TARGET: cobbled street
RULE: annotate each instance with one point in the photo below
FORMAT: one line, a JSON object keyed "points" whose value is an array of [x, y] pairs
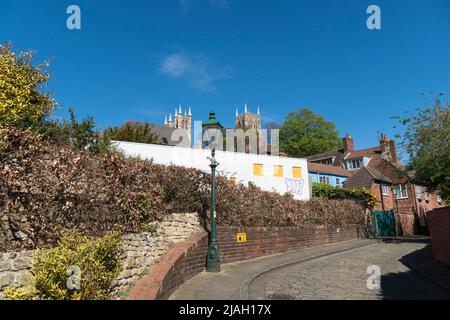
{"points": [[344, 276], [335, 272]]}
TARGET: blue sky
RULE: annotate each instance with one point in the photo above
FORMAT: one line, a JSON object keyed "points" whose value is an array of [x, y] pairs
{"points": [[139, 59]]}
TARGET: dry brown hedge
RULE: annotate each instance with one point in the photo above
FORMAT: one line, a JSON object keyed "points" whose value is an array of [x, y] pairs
{"points": [[45, 189]]}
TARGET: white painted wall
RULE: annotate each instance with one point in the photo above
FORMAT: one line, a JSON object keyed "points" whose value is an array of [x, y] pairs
{"points": [[239, 165]]}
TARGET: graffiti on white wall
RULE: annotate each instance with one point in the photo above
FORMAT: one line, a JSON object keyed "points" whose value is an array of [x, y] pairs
{"points": [[294, 186]]}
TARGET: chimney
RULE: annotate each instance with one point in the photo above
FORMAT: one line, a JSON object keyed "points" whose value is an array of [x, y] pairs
{"points": [[384, 143], [348, 143], [388, 149], [393, 148]]}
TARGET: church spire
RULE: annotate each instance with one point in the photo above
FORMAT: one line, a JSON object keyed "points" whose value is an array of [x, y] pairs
{"points": [[237, 112], [189, 112], [245, 109], [259, 113], [165, 120]]}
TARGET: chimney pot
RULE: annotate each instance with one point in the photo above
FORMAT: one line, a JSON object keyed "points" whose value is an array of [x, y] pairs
{"points": [[348, 144]]}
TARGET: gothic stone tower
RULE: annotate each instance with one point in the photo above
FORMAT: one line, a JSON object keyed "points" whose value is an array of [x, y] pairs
{"points": [[180, 121], [248, 120]]}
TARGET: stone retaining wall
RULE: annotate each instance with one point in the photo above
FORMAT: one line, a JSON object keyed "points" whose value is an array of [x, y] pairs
{"points": [[15, 269], [140, 252]]}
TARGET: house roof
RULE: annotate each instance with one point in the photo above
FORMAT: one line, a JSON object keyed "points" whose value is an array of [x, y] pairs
{"points": [[377, 175], [390, 170], [363, 153], [364, 178], [325, 155], [337, 154], [323, 168], [165, 135]]}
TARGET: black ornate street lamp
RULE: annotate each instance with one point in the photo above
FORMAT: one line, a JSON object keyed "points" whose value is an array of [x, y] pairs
{"points": [[213, 259]]}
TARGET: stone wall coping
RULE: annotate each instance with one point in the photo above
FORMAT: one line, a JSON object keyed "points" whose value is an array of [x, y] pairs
{"points": [[150, 285]]}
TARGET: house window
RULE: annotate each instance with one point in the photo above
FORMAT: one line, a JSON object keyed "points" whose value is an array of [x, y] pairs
{"points": [[327, 161], [438, 199], [296, 172], [338, 181], [418, 190], [258, 169], [384, 190], [401, 192], [278, 171], [355, 164], [325, 180]]}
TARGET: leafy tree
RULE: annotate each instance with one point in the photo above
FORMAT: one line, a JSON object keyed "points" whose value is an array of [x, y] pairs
{"points": [[426, 140], [305, 133], [23, 102], [80, 135], [133, 131]]}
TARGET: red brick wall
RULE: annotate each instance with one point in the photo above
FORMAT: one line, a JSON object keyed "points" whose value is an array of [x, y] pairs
{"points": [[271, 240], [387, 200], [439, 225]]}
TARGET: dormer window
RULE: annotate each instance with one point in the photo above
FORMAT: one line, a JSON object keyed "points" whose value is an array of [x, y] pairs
{"points": [[327, 161], [355, 164]]}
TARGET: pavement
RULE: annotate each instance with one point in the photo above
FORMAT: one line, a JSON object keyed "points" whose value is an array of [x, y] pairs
{"points": [[337, 271]]}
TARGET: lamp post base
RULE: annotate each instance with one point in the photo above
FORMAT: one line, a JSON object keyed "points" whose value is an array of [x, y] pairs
{"points": [[213, 260]]}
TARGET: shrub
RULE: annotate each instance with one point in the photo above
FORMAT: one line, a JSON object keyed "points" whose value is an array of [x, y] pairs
{"points": [[16, 293], [23, 102], [45, 188], [133, 131], [98, 262], [323, 190], [79, 135]]}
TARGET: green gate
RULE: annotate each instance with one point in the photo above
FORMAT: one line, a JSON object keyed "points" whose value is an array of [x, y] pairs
{"points": [[384, 222]]}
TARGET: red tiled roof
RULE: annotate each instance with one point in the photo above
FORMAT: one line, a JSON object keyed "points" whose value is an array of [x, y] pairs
{"points": [[364, 178], [323, 168], [363, 153]]}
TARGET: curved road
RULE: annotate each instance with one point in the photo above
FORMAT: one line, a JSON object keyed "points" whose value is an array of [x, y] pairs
{"points": [[332, 272]]}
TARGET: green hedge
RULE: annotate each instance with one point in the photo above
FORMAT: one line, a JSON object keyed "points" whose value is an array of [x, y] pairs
{"points": [[322, 190]]}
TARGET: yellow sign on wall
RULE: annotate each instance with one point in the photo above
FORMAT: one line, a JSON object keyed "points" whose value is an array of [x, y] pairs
{"points": [[241, 237]]}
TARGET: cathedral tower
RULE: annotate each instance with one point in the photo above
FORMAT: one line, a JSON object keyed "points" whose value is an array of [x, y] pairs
{"points": [[248, 120], [180, 120]]}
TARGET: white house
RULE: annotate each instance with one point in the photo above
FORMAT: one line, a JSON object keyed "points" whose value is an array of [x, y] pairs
{"points": [[270, 173]]}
